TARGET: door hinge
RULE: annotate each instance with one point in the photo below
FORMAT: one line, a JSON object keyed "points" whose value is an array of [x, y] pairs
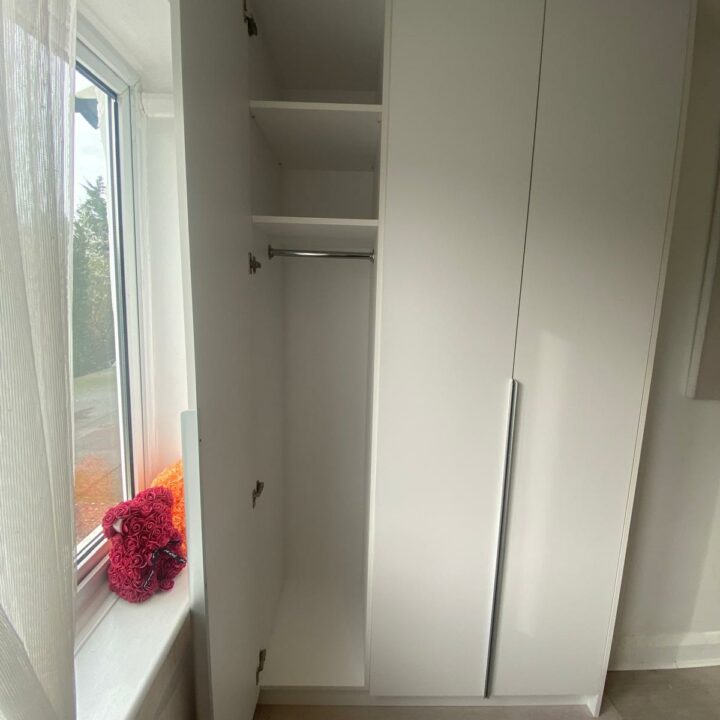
{"points": [[253, 263], [249, 20], [261, 665], [257, 491]]}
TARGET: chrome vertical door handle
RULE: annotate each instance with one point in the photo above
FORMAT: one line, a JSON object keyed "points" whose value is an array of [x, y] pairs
{"points": [[502, 532]]}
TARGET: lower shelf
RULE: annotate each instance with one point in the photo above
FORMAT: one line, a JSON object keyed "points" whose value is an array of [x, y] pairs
{"points": [[316, 233], [318, 640]]}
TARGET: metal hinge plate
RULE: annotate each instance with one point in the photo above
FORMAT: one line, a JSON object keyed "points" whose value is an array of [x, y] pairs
{"points": [[253, 264], [261, 665], [257, 491], [249, 20]]}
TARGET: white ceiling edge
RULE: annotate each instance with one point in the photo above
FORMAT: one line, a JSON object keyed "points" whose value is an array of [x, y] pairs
{"points": [[96, 41], [133, 34]]}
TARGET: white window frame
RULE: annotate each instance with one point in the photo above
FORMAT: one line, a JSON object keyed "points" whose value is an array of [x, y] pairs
{"points": [[101, 61]]}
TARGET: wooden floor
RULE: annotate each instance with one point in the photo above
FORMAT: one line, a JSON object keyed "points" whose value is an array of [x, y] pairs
{"points": [[692, 694]]}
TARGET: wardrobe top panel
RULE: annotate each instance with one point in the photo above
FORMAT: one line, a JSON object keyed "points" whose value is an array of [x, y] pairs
{"points": [[321, 45]]}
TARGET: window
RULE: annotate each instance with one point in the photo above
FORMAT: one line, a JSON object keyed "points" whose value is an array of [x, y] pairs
{"points": [[101, 331]]}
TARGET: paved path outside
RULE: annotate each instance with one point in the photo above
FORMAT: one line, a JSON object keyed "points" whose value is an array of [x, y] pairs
{"points": [[98, 480]]}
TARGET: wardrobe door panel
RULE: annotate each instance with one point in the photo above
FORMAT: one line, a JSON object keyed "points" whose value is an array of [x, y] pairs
{"points": [[608, 116], [230, 603], [462, 96]]}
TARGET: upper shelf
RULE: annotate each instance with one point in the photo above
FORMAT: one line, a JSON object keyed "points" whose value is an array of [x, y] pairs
{"points": [[320, 136]]}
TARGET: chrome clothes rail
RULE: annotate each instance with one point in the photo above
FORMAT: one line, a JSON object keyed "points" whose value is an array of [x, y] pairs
{"points": [[332, 254]]}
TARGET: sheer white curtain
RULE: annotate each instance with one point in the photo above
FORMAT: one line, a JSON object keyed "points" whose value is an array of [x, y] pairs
{"points": [[37, 48]]}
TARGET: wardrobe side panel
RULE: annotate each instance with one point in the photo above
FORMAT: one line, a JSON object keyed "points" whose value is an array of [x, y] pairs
{"points": [[463, 87], [608, 116]]}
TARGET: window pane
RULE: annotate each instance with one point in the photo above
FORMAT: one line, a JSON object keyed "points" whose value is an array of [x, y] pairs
{"points": [[98, 419]]}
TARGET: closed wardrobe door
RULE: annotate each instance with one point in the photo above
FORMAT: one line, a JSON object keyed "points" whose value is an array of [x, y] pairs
{"points": [[461, 102], [607, 125]]}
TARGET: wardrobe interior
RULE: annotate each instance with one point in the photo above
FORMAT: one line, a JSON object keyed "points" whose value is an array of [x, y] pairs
{"points": [[316, 71]]}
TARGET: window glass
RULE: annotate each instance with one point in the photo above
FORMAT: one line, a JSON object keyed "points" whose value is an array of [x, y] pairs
{"points": [[100, 415]]}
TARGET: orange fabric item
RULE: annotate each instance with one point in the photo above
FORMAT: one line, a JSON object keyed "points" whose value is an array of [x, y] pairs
{"points": [[172, 479]]}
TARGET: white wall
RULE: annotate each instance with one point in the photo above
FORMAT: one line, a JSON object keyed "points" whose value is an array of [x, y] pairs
{"points": [[165, 371], [163, 319], [670, 604]]}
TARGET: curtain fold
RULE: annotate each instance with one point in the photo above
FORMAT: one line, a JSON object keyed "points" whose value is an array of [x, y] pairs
{"points": [[37, 582]]}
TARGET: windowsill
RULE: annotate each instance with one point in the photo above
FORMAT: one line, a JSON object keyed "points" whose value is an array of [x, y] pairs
{"points": [[119, 661]]}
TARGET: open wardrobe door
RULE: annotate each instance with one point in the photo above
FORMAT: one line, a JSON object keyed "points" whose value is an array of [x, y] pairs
{"points": [[230, 604]]}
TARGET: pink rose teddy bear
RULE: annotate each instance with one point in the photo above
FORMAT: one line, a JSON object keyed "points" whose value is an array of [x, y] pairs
{"points": [[144, 551]]}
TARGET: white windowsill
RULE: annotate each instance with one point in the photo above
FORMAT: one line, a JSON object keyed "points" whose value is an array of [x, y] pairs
{"points": [[119, 661]]}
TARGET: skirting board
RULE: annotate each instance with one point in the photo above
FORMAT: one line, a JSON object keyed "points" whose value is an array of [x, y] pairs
{"points": [[361, 698], [663, 652]]}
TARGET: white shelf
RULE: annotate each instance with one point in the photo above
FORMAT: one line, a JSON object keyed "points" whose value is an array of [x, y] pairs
{"points": [[334, 233], [320, 136], [318, 640]]}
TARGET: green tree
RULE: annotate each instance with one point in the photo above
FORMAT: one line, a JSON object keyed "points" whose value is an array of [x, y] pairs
{"points": [[93, 332]]}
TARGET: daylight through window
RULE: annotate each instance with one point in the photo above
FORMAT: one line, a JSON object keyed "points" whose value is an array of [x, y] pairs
{"points": [[103, 467]]}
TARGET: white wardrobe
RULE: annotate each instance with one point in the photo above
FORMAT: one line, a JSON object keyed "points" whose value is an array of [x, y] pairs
{"points": [[425, 257]]}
